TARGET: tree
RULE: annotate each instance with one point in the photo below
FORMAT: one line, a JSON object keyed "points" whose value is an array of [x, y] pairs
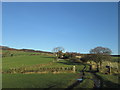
{"points": [[100, 54], [72, 57], [66, 55], [58, 51], [101, 50], [85, 58], [69, 55]]}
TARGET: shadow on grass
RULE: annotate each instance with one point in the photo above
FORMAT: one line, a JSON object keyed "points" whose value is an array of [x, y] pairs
{"points": [[73, 85], [106, 83], [26, 88], [48, 57], [70, 63], [50, 87], [109, 84]]}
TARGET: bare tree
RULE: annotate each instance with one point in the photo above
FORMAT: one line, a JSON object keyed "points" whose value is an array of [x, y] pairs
{"points": [[58, 51], [100, 54], [101, 50]]}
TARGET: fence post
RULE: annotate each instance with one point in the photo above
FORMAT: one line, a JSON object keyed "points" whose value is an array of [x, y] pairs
{"points": [[73, 68]]}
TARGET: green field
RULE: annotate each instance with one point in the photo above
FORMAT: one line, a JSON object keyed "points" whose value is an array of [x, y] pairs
{"points": [[109, 81], [47, 80], [38, 80], [115, 59], [30, 62], [22, 61]]}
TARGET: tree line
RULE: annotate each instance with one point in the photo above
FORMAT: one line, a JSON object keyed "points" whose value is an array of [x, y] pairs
{"points": [[97, 55]]}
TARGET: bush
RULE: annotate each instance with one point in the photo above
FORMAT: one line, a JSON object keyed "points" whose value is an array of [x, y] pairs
{"points": [[85, 58], [75, 60]]}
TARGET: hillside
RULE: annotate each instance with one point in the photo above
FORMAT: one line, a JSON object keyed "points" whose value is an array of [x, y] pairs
{"points": [[24, 50], [7, 51]]}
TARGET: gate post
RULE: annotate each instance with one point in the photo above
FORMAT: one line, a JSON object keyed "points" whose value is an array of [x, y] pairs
{"points": [[73, 68]]}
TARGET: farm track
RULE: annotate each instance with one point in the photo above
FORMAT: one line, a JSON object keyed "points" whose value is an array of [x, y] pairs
{"points": [[100, 80], [96, 79], [77, 82]]}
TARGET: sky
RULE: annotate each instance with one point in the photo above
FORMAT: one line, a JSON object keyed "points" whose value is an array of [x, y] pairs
{"points": [[76, 26]]}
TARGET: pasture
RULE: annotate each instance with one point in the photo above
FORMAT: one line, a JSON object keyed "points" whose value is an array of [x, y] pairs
{"points": [[47, 80], [22, 61], [109, 81], [26, 61], [38, 80]]}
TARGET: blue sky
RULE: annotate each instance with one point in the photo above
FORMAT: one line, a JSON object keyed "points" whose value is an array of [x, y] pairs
{"points": [[78, 27]]}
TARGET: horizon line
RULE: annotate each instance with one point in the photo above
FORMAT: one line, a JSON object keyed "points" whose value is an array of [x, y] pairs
{"points": [[46, 50]]}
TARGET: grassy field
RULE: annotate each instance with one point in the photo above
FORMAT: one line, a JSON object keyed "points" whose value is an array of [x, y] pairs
{"points": [[115, 59], [87, 83], [22, 61], [38, 80], [8, 53], [109, 81], [47, 80]]}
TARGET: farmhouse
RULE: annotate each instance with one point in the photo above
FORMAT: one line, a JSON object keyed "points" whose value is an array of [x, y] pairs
{"points": [[78, 56]]}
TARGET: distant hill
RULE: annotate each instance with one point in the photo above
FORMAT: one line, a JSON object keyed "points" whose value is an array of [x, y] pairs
{"points": [[25, 50], [38, 51]]}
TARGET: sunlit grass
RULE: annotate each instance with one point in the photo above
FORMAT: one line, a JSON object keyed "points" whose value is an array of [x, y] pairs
{"points": [[38, 80]]}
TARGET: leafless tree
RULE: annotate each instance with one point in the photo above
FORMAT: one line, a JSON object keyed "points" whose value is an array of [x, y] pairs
{"points": [[58, 51], [101, 50], [100, 54]]}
